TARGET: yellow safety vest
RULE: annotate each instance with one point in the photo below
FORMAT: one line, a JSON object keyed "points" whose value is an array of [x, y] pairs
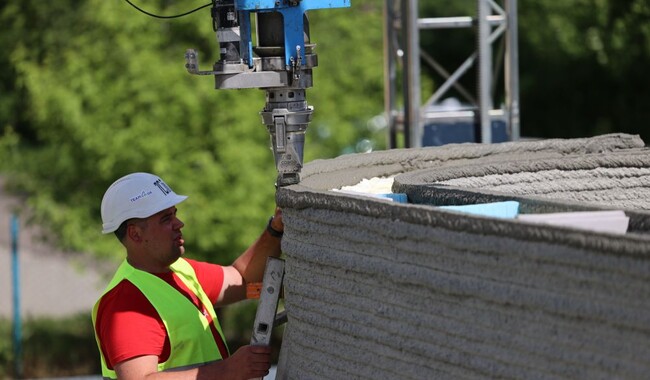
{"points": [[192, 343]]}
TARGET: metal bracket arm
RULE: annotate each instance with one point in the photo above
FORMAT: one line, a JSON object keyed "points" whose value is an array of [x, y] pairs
{"points": [[280, 134], [192, 63]]}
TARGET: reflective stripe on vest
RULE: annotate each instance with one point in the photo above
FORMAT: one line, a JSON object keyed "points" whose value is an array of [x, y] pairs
{"points": [[191, 340]]}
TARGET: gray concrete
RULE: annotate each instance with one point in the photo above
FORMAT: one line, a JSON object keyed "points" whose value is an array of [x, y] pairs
{"points": [[380, 290], [616, 179]]}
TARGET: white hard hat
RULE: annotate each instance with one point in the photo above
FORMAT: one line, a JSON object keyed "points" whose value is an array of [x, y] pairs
{"points": [[137, 195]]}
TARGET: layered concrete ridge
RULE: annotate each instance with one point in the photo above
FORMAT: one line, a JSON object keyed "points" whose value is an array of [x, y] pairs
{"points": [[382, 290], [618, 179]]}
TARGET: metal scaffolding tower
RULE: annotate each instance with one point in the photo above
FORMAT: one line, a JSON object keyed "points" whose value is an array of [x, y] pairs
{"points": [[402, 46]]}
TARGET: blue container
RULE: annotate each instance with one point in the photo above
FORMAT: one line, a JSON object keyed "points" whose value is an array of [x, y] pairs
{"points": [[460, 130]]}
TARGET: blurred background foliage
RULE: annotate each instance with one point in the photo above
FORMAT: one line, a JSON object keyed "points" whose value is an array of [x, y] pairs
{"points": [[51, 348], [583, 63], [93, 90]]}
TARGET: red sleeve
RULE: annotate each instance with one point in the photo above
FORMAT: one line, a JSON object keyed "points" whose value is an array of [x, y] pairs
{"points": [[128, 326], [210, 277]]}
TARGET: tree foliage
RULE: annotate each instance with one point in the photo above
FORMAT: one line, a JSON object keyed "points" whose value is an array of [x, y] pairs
{"points": [[92, 90], [107, 94], [582, 67], [581, 63]]}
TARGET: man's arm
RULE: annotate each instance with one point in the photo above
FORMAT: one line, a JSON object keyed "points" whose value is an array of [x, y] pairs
{"points": [[248, 362], [249, 267]]}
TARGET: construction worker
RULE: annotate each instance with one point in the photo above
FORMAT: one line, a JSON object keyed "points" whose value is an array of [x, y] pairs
{"points": [[156, 317]]}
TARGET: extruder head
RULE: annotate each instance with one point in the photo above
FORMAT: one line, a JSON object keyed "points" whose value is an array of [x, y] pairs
{"points": [[281, 64]]}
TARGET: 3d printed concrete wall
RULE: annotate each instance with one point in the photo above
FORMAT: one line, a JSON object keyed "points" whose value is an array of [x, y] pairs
{"points": [[382, 290]]}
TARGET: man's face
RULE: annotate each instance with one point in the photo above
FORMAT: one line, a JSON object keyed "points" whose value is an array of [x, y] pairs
{"points": [[162, 237]]}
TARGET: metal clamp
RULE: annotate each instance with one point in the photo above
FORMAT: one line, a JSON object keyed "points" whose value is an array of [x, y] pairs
{"points": [[192, 63], [296, 64], [280, 134]]}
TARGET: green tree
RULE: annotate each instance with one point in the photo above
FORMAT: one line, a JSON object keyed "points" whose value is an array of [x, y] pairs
{"points": [[348, 84], [93, 90], [582, 67], [581, 63], [107, 94]]}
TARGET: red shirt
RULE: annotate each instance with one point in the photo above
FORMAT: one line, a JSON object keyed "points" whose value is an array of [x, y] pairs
{"points": [[129, 326]]}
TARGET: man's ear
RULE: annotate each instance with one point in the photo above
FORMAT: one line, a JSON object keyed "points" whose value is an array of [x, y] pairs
{"points": [[134, 232]]}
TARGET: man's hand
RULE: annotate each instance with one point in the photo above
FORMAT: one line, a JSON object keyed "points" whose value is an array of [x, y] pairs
{"points": [[248, 362]]}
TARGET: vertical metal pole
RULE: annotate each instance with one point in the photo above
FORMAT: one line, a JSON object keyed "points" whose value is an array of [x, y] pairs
{"points": [[512, 70], [17, 326], [484, 71], [390, 72], [411, 42]]}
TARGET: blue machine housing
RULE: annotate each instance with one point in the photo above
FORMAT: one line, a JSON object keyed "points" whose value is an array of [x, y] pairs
{"points": [[293, 23]]}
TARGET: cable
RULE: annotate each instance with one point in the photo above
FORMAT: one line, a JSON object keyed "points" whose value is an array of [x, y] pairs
{"points": [[175, 16]]}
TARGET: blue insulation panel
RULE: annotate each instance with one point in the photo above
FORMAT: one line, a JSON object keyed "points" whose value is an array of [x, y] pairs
{"points": [[460, 131]]}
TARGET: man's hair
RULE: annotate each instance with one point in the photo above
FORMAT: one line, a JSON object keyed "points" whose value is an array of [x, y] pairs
{"points": [[120, 232]]}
